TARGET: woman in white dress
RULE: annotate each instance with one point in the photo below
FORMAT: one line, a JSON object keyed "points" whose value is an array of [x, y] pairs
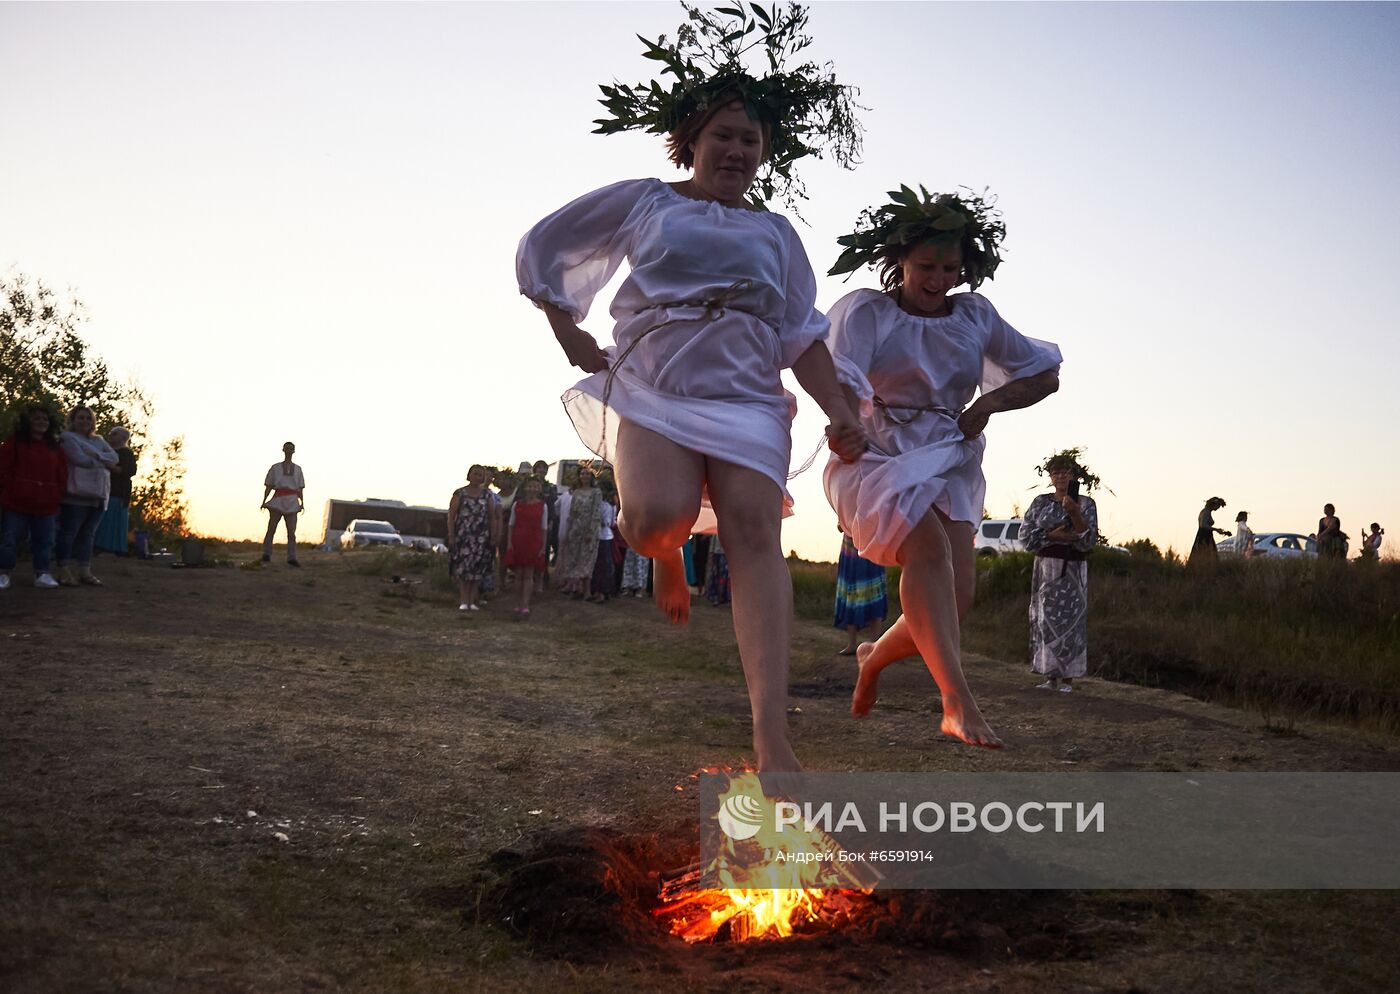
{"points": [[689, 404], [1244, 536], [913, 499]]}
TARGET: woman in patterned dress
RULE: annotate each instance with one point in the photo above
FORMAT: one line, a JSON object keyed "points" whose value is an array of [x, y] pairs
{"points": [[472, 529], [578, 548], [1060, 528], [862, 596]]}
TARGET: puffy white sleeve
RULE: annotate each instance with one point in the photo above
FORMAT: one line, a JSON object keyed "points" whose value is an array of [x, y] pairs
{"points": [[853, 344], [802, 323], [1009, 355], [570, 255]]}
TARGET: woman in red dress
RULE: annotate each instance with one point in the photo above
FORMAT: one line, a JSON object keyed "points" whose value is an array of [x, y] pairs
{"points": [[529, 528]]}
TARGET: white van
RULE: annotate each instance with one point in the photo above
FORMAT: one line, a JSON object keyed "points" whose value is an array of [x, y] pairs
{"points": [[995, 536]]}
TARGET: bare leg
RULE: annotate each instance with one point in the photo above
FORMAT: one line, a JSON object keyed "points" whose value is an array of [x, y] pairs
{"points": [[871, 657], [898, 642], [472, 590], [748, 506], [527, 586], [659, 486], [928, 591], [850, 649], [464, 597]]}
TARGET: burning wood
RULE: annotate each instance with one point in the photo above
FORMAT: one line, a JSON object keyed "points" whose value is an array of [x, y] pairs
{"points": [[771, 883]]}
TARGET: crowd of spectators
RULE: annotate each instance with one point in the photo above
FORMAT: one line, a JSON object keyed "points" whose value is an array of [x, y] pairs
{"points": [[519, 530], [63, 493]]}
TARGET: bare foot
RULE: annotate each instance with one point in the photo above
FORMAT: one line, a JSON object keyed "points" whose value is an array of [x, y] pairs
{"points": [[969, 726], [778, 768], [672, 595], [867, 683]]}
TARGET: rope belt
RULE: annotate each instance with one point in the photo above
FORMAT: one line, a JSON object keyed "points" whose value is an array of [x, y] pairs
{"points": [[885, 409], [714, 309]]}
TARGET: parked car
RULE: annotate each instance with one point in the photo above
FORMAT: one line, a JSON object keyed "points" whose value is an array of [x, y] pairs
{"points": [[364, 532], [993, 537], [1285, 545]]}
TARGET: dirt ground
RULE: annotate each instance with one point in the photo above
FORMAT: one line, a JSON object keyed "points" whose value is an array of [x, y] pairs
{"points": [[261, 779]]}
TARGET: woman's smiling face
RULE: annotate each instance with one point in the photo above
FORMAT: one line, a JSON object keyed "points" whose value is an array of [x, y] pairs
{"points": [[929, 272], [727, 154]]}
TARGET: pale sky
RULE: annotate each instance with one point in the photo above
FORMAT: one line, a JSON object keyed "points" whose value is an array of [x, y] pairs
{"points": [[299, 221]]}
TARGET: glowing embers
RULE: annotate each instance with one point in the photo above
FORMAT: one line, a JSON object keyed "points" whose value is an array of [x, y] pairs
{"points": [[767, 881]]}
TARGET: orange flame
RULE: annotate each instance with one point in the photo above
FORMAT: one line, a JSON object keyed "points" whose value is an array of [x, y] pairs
{"points": [[798, 881]]}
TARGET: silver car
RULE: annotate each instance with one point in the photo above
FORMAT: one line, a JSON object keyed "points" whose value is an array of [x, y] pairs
{"points": [[1283, 545], [363, 532]]}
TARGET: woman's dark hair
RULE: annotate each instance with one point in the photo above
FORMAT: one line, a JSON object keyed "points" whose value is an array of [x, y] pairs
{"points": [[1243, 515], [1328, 509], [23, 428], [892, 265], [678, 142]]}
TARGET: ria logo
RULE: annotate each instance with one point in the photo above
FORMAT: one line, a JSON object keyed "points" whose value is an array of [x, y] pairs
{"points": [[740, 817]]}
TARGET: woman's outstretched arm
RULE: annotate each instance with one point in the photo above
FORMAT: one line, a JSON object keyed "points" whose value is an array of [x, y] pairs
{"points": [[1012, 396]]}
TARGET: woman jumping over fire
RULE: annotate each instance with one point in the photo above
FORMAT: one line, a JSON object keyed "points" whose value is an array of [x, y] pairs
{"points": [[918, 356], [719, 299]]}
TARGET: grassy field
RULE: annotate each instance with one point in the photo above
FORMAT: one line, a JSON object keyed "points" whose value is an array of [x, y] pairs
{"points": [[1287, 639], [250, 778]]}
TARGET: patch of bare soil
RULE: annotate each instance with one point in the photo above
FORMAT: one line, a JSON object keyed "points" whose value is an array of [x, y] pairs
{"points": [[260, 779]]}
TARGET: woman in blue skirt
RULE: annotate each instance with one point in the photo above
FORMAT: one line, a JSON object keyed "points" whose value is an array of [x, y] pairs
{"points": [[861, 599]]}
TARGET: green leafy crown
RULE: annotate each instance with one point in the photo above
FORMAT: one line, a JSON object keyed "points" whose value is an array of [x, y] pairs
{"points": [[1072, 460], [806, 110], [968, 220]]}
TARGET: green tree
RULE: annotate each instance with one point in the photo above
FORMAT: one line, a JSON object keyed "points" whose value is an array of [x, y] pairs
{"points": [[43, 359]]}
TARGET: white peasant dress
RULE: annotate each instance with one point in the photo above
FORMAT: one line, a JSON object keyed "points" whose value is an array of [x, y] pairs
{"points": [[718, 301], [918, 458]]}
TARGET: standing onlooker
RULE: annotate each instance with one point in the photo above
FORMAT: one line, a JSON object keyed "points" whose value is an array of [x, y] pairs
{"points": [[111, 531], [862, 598], [85, 498], [549, 493], [578, 548], [636, 569], [33, 477], [1203, 551], [1060, 529], [1331, 543], [285, 484], [471, 537], [717, 574], [526, 539], [487, 584], [510, 486], [603, 567], [1244, 536], [1371, 542]]}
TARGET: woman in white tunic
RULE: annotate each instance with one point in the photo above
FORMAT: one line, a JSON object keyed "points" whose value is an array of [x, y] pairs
{"points": [[688, 403], [1059, 529], [913, 498]]}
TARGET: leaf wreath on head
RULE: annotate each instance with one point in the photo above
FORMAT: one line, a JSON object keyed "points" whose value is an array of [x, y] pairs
{"points": [[967, 220], [1073, 461], [806, 111]]}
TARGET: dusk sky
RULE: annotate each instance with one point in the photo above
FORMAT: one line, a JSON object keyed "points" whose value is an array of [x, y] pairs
{"points": [[299, 222]]}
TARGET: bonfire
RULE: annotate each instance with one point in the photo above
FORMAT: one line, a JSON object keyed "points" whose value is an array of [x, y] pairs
{"points": [[763, 883]]}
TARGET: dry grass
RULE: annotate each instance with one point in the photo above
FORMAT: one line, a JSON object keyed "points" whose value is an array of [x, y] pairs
{"points": [[160, 732], [1288, 639]]}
